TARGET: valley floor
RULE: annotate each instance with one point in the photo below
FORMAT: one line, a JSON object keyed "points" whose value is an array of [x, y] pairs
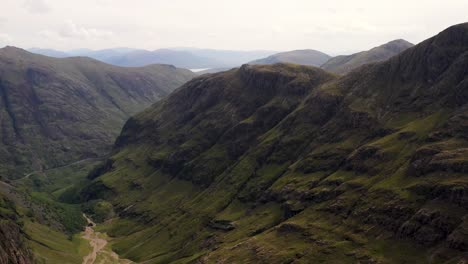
{"points": [[101, 253]]}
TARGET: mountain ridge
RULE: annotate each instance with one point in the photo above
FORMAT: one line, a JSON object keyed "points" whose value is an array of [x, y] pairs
{"points": [[47, 101], [191, 58], [303, 57], [345, 63]]}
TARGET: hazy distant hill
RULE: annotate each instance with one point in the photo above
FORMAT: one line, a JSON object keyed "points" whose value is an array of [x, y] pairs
{"points": [[190, 58], [303, 57], [50, 52], [213, 70], [231, 58], [182, 59], [54, 111], [345, 63]]}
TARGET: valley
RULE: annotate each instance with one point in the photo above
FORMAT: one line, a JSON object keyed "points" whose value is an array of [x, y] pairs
{"points": [[198, 156]]}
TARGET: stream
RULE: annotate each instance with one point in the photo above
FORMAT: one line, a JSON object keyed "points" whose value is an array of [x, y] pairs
{"points": [[100, 254]]}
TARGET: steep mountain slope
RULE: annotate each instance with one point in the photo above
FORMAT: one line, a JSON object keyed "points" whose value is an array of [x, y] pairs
{"points": [[302, 57], [346, 63], [55, 111], [290, 164]]}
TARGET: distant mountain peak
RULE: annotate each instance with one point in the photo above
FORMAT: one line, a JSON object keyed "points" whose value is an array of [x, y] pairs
{"points": [[346, 63], [303, 57]]}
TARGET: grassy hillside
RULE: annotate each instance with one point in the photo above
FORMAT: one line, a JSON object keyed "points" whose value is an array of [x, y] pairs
{"points": [[301, 57], [37, 229], [346, 63], [290, 164], [57, 111]]}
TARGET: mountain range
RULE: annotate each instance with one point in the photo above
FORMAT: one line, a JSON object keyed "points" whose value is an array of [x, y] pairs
{"points": [[358, 159], [189, 58], [292, 164], [222, 60]]}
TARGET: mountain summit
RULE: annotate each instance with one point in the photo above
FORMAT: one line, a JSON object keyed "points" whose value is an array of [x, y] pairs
{"points": [[346, 63], [303, 57]]}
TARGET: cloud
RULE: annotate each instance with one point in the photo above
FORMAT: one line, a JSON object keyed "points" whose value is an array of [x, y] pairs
{"points": [[37, 6], [48, 34], [104, 2], [72, 30], [5, 39]]}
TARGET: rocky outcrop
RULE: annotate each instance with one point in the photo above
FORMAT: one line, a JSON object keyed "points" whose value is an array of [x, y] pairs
{"points": [[13, 248]]}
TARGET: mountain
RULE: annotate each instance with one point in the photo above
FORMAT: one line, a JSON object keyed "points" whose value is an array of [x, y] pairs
{"points": [[191, 58], [213, 70], [302, 57], [127, 57], [291, 164], [103, 55], [56, 111], [49, 52], [346, 63], [181, 59], [231, 58]]}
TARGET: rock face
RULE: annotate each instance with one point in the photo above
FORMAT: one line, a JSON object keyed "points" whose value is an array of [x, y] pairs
{"points": [[290, 164], [55, 111], [301, 57], [346, 63], [13, 248]]}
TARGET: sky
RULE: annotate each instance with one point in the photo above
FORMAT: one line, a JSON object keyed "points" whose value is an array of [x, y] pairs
{"points": [[331, 26]]}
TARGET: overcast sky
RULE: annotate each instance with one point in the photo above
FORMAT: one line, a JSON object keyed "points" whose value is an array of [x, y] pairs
{"points": [[333, 26]]}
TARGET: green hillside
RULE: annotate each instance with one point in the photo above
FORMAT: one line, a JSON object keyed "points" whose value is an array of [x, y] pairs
{"points": [[57, 111]]}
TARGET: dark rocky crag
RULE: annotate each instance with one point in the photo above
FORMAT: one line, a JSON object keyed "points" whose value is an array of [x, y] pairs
{"points": [[291, 164], [13, 247]]}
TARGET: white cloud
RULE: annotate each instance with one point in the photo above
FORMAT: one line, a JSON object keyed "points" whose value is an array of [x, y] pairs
{"points": [[48, 34], [37, 6], [104, 2], [72, 30], [5, 39], [331, 26]]}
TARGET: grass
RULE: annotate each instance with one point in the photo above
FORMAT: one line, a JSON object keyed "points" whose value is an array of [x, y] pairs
{"points": [[69, 215], [51, 246]]}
